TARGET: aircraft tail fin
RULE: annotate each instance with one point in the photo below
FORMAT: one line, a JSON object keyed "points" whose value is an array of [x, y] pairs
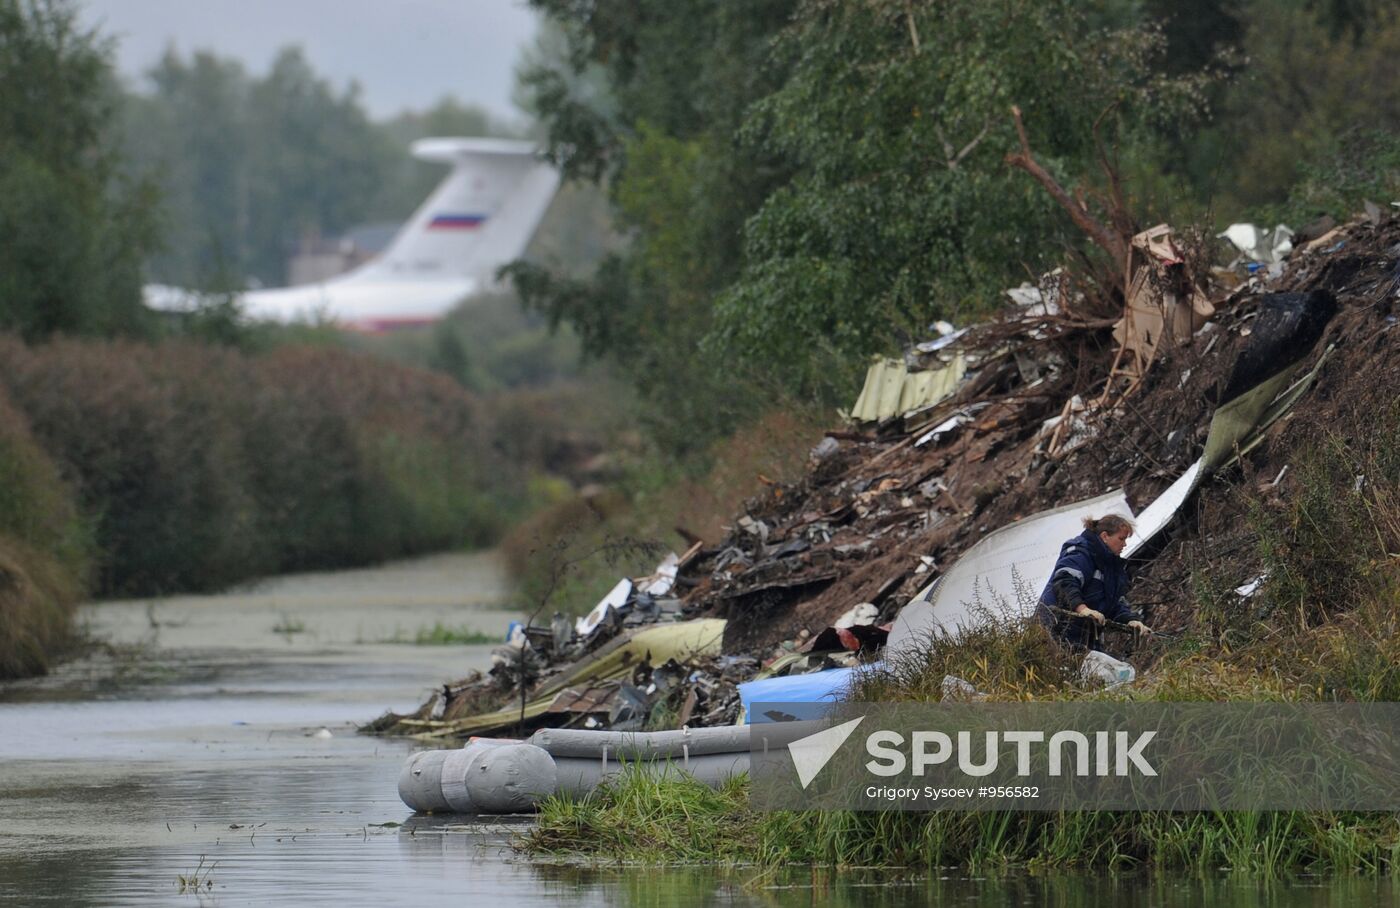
{"points": [[481, 216]]}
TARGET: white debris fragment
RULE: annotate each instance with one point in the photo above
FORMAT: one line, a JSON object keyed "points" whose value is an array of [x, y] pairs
{"points": [[664, 577], [1245, 590], [1103, 667], [860, 615], [825, 448], [616, 598], [955, 688], [1267, 247], [942, 428]]}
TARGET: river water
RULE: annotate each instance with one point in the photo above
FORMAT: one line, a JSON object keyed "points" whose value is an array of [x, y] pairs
{"points": [[206, 755]]}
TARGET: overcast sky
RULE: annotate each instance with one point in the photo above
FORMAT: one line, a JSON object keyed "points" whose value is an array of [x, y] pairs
{"points": [[404, 53]]}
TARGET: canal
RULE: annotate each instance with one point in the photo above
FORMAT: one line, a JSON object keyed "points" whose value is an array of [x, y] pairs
{"points": [[203, 753]]}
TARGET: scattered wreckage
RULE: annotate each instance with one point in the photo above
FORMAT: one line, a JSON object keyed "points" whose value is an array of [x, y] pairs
{"points": [[969, 462]]}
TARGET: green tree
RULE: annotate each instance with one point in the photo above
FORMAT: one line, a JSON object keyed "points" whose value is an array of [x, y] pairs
{"points": [[316, 161], [191, 136], [803, 184], [249, 166], [902, 209], [409, 180], [647, 97], [1315, 110], [75, 232]]}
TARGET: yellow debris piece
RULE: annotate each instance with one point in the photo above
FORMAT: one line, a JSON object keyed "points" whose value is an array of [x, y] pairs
{"points": [[891, 389]]}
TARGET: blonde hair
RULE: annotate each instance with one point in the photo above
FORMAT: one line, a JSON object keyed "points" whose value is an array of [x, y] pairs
{"points": [[1111, 524]]}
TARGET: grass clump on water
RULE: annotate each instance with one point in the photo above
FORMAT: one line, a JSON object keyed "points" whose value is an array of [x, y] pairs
{"points": [[639, 817], [445, 635]]}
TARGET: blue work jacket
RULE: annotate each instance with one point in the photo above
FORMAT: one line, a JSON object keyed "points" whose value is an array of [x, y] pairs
{"points": [[1086, 572]]}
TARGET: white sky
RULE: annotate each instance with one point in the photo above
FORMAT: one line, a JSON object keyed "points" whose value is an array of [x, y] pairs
{"points": [[404, 53]]}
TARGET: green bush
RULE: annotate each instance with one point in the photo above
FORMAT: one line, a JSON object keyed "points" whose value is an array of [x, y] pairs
{"points": [[201, 466], [43, 550]]}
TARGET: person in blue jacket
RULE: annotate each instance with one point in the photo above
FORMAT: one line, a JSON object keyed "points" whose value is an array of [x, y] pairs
{"points": [[1090, 580]]}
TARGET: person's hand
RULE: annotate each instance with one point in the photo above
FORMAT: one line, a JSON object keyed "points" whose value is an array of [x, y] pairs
{"points": [[1090, 613], [1140, 628]]}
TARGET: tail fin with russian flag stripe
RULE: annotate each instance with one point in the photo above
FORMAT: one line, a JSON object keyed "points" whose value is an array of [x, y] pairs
{"points": [[478, 219]]}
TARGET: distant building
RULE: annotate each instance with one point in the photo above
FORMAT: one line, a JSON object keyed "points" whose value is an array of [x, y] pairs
{"points": [[318, 258]]}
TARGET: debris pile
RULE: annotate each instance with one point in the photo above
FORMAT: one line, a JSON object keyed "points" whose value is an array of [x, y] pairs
{"points": [[1051, 404]]}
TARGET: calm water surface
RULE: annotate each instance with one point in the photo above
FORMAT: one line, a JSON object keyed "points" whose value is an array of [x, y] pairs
{"points": [[190, 750]]}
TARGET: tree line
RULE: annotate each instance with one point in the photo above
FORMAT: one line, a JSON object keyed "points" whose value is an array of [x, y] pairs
{"points": [[802, 183]]}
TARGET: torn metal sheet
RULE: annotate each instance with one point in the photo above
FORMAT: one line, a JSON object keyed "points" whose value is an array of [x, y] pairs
{"points": [[1249, 414], [1155, 517], [663, 578], [948, 339], [680, 641], [616, 598], [1239, 425], [1160, 242], [1006, 569], [1267, 247], [891, 389], [613, 660], [1149, 317], [1158, 305]]}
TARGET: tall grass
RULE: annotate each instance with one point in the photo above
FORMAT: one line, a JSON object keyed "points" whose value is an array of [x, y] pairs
{"points": [[642, 818]]}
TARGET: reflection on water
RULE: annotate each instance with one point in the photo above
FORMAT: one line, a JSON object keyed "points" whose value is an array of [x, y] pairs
{"points": [[470, 867], [201, 763]]}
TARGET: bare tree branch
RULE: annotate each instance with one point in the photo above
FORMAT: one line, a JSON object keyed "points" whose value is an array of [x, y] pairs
{"points": [[1106, 239], [1117, 206], [953, 160], [947, 147], [967, 149]]}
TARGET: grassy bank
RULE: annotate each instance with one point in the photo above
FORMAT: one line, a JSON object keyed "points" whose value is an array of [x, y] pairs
{"points": [[1324, 626], [644, 820]]}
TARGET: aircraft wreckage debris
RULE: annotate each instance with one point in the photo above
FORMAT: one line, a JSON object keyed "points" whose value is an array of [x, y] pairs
{"points": [[1071, 400]]}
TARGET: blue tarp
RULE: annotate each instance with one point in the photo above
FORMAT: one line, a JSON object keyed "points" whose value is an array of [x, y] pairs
{"points": [[809, 696]]}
